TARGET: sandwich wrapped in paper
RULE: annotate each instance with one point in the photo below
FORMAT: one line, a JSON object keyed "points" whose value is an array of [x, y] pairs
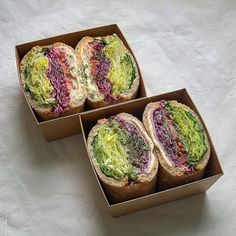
{"points": [[180, 141], [51, 81], [109, 69], [122, 154]]}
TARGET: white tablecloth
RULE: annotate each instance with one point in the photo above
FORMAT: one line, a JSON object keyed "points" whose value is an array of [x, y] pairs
{"points": [[49, 188]]}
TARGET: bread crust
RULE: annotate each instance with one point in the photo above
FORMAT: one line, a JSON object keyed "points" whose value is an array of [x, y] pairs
{"points": [[170, 176], [45, 112], [94, 104], [82, 49], [120, 190]]}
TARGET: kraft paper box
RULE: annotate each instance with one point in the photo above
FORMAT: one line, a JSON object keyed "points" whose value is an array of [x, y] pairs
{"points": [[136, 108], [69, 125]]}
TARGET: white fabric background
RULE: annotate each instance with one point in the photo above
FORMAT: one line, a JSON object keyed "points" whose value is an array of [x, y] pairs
{"points": [[48, 188]]}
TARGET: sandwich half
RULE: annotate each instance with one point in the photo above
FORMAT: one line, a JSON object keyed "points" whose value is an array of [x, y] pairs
{"points": [[51, 81], [109, 69], [122, 154], [180, 141]]}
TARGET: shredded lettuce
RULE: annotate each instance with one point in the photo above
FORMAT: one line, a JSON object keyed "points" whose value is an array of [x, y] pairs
{"points": [[110, 151], [122, 71], [190, 131], [120, 150], [36, 81]]}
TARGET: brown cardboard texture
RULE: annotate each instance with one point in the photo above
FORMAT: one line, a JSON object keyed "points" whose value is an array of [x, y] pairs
{"points": [[66, 126], [136, 108]]}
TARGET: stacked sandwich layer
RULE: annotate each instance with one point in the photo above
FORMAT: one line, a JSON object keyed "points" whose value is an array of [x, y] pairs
{"points": [[180, 141], [111, 67], [180, 135], [49, 76], [122, 154], [120, 149]]}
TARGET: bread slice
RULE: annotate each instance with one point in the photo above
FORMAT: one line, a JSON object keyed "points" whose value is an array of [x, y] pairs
{"points": [[95, 99], [169, 174], [77, 94], [121, 190]]}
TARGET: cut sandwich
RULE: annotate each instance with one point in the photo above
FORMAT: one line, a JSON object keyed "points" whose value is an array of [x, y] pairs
{"points": [[122, 154], [51, 81], [109, 69], [180, 141]]}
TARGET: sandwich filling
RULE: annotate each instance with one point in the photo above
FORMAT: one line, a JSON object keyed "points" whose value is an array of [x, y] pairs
{"points": [[120, 149], [180, 135], [111, 67], [48, 79]]}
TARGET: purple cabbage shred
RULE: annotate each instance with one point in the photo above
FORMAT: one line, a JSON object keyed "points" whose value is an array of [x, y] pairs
{"points": [[57, 79]]}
